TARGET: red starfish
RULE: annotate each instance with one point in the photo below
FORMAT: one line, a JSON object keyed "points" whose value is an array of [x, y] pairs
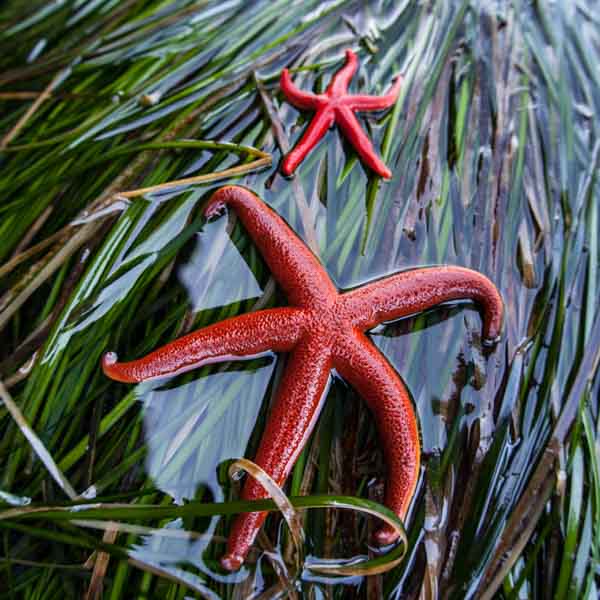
{"points": [[322, 330], [337, 106]]}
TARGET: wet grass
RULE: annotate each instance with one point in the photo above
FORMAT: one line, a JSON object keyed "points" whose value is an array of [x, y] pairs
{"points": [[494, 148]]}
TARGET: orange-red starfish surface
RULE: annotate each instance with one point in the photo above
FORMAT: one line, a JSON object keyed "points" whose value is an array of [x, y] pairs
{"points": [[336, 105], [321, 330]]}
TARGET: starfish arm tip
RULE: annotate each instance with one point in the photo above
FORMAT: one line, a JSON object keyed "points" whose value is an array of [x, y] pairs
{"points": [[111, 368], [386, 173], [493, 315], [287, 168], [491, 338], [385, 536], [109, 359], [366, 103], [214, 209], [232, 562], [216, 203], [284, 78], [295, 96]]}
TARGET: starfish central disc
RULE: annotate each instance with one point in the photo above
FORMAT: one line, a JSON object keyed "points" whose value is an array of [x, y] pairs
{"points": [[336, 105], [321, 330]]}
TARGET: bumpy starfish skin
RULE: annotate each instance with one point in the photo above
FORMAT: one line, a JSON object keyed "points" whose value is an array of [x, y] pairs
{"points": [[337, 106], [321, 330]]}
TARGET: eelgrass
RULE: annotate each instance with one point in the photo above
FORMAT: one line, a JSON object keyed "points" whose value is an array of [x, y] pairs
{"points": [[494, 148]]}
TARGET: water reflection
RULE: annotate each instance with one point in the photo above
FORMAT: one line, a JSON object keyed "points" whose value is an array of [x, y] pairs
{"points": [[191, 427], [178, 553], [216, 274]]}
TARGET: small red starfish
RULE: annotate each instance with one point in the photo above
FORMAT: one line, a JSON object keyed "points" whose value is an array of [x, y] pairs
{"points": [[322, 330], [337, 106]]}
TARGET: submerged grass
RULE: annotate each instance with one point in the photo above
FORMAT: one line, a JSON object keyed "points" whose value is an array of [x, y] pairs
{"points": [[494, 148]]}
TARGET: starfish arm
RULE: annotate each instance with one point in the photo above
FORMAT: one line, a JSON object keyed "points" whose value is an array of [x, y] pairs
{"points": [[417, 290], [293, 265], [362, 102], [295, 410], [363, 366], [295, 96], [355, 134], [314, 133], [248, 335], [341, 80]]}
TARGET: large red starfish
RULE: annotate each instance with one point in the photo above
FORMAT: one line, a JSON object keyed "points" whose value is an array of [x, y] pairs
{"points": [[337, 106], [322, 330]]}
